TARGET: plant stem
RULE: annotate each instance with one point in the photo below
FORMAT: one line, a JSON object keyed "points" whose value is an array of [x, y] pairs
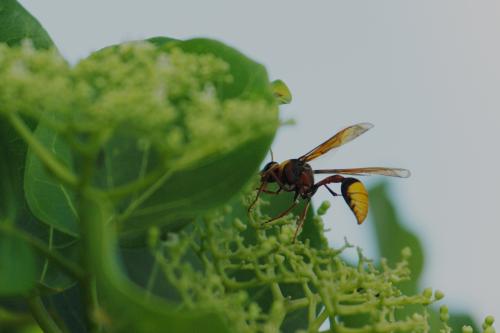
{"points": [[144, 196], [119, 192], [314, 326], [41, 315], [46, 263], [59, 170], [87, 233], [154, 272]]}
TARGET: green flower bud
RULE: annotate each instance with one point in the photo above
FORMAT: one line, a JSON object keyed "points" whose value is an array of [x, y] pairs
{"points": [[427, 293], [489, 320], [438, 295], [323, 208], [239, 225], [443, 313], [153, 237], [406, 253], [417, 317], [467, 329], [279, 258]]}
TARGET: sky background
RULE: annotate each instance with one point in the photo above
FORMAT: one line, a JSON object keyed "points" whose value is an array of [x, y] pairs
{"points": [[426, 73]]}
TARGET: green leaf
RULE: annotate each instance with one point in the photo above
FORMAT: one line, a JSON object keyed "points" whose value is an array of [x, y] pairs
{"points": [[18, 24], [250, 80], [11, 153], [312, 230], [281, 92], [49, 200], [49, 275], [184, 190], [193, 191], [17, 272], [459, 320], [161, 41], [126, 306], [216, 178], [17, 266], [17, 261], [50, 278], [393, 236]]}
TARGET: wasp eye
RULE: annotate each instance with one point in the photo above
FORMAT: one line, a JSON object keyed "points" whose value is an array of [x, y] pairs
{"points": [[268, 166]]}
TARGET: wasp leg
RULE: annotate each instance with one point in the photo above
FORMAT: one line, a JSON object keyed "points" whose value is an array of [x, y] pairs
{"points": [[260, 190], [329, 180], [301, 220], [272, 192], [331, 191], [354, 193], [295, 202]]}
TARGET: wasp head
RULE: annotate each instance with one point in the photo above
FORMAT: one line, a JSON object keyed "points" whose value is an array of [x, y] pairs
{"points": [[264, 173]]}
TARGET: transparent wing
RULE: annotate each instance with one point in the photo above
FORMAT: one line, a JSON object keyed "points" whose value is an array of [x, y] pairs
{"points": [[391, 172], [344, 136]]}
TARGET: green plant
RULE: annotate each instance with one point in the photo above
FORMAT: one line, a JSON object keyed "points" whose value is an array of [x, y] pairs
{"points": [[124, 190]]}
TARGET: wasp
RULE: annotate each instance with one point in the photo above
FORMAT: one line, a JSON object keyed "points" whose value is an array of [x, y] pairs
{"points": [[296, 175]]}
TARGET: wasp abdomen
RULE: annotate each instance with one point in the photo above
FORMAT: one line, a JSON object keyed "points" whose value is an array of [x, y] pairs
{"points": [[356, 197]]}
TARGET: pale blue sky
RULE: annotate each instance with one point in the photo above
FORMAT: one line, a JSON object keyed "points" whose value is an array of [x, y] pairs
{"points": [[426, 73]]}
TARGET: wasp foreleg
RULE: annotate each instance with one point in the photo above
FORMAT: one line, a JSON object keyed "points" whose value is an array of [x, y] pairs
{"points": [[301, 221], [295, 202]]}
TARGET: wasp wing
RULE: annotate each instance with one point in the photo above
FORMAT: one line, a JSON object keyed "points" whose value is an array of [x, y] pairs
{"points": [[391, 172], [344, 136]]}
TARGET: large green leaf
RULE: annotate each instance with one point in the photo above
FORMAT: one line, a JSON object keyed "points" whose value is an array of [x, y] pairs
{"points": [[459, 320], [250, 80], [18, 24], [49, 275], [173, 198], [53, 204], [49, 200], [392, 236], [126, 306], [140, 264], [310, 230], [17, 262], [193, 191], [17, 266], [217, 178], [11, 153]]}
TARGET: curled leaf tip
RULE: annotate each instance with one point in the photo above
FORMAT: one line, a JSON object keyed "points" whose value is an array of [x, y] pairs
{"points": [[281, 92]]}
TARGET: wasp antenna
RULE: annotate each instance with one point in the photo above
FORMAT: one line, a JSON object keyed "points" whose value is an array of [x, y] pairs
{"points": [[272, 155]]}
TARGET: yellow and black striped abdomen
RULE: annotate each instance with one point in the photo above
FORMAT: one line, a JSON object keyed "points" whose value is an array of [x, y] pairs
{"points": [[356, 197]]}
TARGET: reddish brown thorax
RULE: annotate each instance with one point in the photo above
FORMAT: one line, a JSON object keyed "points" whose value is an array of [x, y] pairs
{"points": [[292, 175]]}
